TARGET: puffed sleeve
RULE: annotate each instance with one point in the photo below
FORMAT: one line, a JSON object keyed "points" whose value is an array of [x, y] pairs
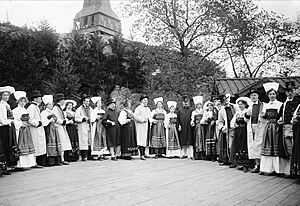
{"points": [[17, 117], [44, 117], [137, 115], [32, 114], [122, 117]]}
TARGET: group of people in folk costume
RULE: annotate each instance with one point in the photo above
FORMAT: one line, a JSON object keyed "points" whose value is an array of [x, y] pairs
{"points": [[247, 134]]}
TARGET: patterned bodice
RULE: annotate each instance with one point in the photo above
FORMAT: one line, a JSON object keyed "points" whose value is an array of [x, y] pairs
{"points": [[159, 117], [129, 115], [173, 120], [198, 118], [272, 115], [240, 121]]}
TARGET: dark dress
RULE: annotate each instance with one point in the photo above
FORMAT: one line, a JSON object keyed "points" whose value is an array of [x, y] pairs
{"points": [[210, 130], [184, 120], [72, 155], [270, 144], [295, 158], [173, 139], [239, 148], [53, 145], [113, 133], [128, 137], [158, 137], [199, 133], [100, 135]]}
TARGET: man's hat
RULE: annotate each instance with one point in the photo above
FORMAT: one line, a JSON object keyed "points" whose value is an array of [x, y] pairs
{"points": [[59, 96], [143, 97], [252, 91], [290, 85], [34, 94], [110, 101], [84, 96]]}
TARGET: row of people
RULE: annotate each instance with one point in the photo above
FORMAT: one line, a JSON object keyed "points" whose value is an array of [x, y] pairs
{"points": [[235, 133]]}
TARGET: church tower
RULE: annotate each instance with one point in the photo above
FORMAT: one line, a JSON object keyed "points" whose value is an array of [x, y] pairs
{"points": [[96, 16]]}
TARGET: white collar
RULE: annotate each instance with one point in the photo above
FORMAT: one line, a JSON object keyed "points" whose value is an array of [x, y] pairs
{"points": [[289, 100], [256, 102]]}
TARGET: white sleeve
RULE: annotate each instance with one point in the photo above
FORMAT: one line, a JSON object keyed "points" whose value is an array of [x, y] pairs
{"points": [[78, 117], [3, 115], [122, 117], [32, 121], [45, 120], [56, 112], [17, 118]]}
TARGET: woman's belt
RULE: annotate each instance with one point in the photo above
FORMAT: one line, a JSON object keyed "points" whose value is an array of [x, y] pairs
{"points": [[272, 120]]}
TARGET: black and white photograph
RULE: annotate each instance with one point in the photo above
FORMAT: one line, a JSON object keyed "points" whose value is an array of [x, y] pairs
{"points": [[149, 102]]}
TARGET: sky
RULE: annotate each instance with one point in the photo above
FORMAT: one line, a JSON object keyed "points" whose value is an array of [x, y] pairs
{"points": [[60, 13]]}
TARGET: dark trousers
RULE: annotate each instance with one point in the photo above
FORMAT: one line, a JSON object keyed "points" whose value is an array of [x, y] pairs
{"points": [[41, 160], [53, 160], [142, 150], [86, 153]]}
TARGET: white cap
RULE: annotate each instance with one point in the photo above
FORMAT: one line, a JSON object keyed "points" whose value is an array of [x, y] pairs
{"points": [[7, 89], [95, 99], [47, 99], [246, 99], [158, 99], [171, 104], [198, 99], [271, 85], [70, 100], [207, 103], [19, 94]]}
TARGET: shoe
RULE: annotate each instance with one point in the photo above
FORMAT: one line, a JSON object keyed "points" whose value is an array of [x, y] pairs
{"points": [[38, 167], [58, 164], [156, 156], [146, 156], [192, 158], [91, 158], [7, 172], [114, 159], [245, 169], [183, 157], [255, 170], [19, 169], [232, 166], [142, 158], [104, 158], [224, 164], [65, 163], [99, 159], [261, 173]]}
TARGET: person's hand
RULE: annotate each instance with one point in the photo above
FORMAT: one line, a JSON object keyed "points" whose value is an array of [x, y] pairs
{"points": [[224, 129], [127, 121], [154, 121], [280, 121], [249, 113], [145, 120], [235, 125], [179, 128], [192, 123], [212, 122], [113, 123]]}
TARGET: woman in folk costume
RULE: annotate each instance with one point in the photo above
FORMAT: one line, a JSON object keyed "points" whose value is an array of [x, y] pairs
{"points": [[257, 127], [158, 132], [209, 123], [84, 118], [186, 137], [172, 138], [286, 139], [129, 146], [142, 115], [6, 138], [113, 129], [52, 133], [36, 128], [226, 135], [295, 158], [24, 138], [99, 143], [60, 123], [270, 144], [71, 127], [199, 133], [242, 132]]}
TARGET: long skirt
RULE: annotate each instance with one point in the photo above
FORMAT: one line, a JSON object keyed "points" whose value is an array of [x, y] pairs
{"points": [[295, 158], [72, 155], [9, 144], [200, 141], [239, 147], [53, 144], [172, 139], [210, 142], [223, 143], [270, 149], [26, 147], [99, 140], [128, 140], [158, 139]]}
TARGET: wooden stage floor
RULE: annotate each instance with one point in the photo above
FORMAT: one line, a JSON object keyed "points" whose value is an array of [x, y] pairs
{"points": [[151, 182]]}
